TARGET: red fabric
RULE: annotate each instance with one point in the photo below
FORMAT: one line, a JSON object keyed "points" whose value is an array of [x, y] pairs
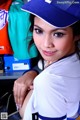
{"points": [[5, 46]]}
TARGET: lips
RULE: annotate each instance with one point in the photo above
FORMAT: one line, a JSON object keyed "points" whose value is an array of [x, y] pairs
{"points": [[48, 53]]}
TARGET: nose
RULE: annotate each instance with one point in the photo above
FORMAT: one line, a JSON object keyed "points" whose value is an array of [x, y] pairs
{"points": [[48, 41]]}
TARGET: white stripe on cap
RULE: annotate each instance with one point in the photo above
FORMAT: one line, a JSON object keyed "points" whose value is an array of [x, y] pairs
{"points": [[48, 1]]}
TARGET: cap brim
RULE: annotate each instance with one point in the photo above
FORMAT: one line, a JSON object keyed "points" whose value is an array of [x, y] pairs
{"points": [[51, 14]]}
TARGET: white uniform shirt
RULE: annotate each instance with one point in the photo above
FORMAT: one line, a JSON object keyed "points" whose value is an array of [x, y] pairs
{"points": [[56, 91]]}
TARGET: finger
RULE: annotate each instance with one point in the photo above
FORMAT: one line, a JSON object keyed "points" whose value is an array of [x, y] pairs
{"points": [[16, 90], [30, 87], [21, 93]]}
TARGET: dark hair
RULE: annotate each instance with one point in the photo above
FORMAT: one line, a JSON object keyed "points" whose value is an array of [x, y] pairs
{"points": [[75, 28], [76, 32], [32, 22], [31, 29]]}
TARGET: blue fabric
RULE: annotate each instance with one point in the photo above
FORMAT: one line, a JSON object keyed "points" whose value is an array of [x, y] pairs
{"points": [[48, 118], [71, 119], [69, 6], [58, 118], [51, 11]]}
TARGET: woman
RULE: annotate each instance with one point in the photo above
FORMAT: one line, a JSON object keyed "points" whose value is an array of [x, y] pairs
{"points": [[57, 88]]}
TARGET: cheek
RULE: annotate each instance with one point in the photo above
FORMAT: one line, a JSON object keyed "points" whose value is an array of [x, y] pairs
{"points": [[64, 45]]}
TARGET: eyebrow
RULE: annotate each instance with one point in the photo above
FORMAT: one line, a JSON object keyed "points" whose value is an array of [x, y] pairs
{"points": [[56, 29]]}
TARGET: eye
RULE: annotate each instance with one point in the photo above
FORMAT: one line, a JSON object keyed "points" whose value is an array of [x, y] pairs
{"points": [[37, 30], [59, 34]]}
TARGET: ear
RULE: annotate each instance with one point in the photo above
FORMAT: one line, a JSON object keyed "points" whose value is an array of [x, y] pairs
{"points": [[76, 38]]}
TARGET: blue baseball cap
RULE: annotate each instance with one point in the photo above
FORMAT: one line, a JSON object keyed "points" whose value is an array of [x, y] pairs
{"points": [[60, 13]]}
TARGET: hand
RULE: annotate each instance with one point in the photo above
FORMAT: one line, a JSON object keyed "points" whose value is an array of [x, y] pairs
{"points": [[22, 110], [22, 86]]}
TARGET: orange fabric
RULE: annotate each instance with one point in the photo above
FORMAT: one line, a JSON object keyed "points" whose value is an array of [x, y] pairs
{"points": [[78, 118], [5, 46]]}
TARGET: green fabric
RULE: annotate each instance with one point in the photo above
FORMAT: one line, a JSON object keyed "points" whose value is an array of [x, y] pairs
{"points": [[19, 34]]}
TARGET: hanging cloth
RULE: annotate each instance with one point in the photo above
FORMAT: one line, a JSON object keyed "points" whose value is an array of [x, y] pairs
{"points": [[19, 33]]}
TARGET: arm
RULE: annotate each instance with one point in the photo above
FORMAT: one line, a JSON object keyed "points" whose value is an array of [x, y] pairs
{"points": [[21, 86]]}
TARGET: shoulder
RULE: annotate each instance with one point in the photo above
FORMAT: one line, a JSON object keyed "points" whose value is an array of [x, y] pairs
{"points": [[69, 66]]}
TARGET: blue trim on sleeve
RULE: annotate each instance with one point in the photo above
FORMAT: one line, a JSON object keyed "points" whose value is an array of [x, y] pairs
{"points": [[57, 118], [71, 118], [48, 118]]}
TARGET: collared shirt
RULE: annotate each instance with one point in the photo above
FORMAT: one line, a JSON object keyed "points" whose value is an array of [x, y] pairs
{"points": [[56, 93]]}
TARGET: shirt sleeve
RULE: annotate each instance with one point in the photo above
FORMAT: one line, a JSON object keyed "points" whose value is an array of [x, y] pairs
{"points": [[50, 91]]}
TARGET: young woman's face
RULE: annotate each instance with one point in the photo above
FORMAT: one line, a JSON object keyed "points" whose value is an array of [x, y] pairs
{"points": [[53, 43]]}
